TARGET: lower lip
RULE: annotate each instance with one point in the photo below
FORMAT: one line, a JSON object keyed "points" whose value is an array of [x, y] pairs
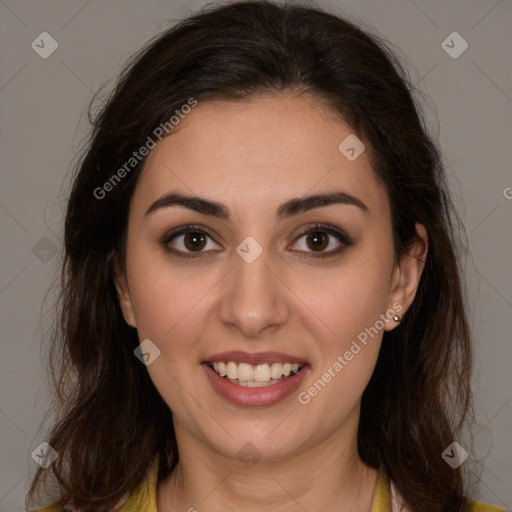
{"points": [[254, 397]]}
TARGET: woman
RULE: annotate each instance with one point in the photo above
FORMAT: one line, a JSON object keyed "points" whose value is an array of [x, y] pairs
{"points": [[262, 306]]}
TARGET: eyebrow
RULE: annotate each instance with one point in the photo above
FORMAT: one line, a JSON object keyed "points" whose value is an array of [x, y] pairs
{"points": [[290, 208]]}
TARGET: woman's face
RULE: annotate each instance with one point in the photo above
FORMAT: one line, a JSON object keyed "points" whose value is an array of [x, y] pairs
{"points": [[246, 288]]}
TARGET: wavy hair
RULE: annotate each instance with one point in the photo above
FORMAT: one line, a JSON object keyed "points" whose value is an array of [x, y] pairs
{"points": [[111, 422]]}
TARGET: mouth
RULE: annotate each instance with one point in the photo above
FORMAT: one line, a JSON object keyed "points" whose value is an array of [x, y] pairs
{"points": [[255, 376], [255, 380]]}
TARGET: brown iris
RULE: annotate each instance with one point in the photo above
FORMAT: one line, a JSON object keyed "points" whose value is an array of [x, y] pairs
{"points": [[319, 240], [194, 241]]}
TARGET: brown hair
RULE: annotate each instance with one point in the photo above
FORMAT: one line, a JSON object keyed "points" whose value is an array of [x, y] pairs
{"points": [[111, 421]]}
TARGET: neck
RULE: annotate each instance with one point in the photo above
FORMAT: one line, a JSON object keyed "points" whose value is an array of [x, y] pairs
{"points": [[329, 477]]}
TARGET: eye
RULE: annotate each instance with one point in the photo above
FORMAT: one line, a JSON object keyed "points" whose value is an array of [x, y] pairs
{"points": [[188, 240], [319, 238]]}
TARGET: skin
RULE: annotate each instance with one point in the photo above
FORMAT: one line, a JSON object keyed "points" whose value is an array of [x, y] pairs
{"points": [[252, 156]]}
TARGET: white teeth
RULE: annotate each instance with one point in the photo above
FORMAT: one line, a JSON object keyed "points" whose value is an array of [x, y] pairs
{"points": [[261, 373], [222, 369], [276, 370], [255, 376], [245, 372], [232, 370]]}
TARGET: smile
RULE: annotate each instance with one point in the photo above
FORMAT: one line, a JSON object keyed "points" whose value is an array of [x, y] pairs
{"points": [[252, 376], [255, 380]]}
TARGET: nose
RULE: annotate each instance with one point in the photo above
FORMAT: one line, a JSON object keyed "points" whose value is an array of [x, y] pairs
{"points": [[255, 301]]}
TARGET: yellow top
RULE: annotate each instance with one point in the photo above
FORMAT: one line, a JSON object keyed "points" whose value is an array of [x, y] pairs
{"points": [[143, 498]]}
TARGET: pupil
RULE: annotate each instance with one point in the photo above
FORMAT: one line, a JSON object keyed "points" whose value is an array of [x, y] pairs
{"points": [[319, 240], [194, 240]]}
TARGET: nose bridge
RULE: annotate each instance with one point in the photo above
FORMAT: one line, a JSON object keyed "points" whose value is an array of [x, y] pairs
{"points": [[255, 298]]}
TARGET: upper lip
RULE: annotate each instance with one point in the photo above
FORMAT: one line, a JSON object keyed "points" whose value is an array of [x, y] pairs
{"points": [[237, 356]]}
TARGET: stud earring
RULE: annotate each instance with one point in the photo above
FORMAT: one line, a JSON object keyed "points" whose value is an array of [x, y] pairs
{"points": [[397, 318]]}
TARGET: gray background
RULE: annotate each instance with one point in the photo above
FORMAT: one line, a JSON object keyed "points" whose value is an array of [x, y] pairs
{"points": [[42, 104]]}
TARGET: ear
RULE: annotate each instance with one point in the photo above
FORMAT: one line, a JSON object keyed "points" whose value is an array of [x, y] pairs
{"points": [[406, 276], [123, 293]]}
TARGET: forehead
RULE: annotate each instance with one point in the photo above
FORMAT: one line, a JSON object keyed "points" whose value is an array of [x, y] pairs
{"points": [[257, 152]]}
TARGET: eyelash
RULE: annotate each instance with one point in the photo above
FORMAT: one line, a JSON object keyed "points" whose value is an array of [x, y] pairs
{"points": [[322, 228]]}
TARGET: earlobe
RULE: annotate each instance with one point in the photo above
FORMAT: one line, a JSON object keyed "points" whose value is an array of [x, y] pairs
{"points": [[123, 293], [407, 275]]}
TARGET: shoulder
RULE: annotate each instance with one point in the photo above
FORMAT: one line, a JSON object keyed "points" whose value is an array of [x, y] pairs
{"points": [[54, 508], [141, 499], [474, 506], [387, 499]]}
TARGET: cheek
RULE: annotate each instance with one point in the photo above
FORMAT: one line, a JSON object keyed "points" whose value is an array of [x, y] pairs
{"points": [[352, 305], [170, 311], [162, 290], [347, 353], [349, 299], [167, 301]]}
